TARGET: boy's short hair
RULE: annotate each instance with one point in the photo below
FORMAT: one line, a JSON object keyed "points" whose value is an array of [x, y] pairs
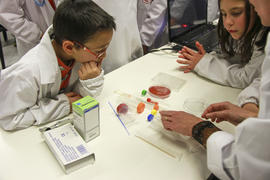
{"points": [[79, 20]]}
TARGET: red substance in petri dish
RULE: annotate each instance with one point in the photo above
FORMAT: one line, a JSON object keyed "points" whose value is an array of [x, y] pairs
{"points": [[122, 108], [159, 92]]}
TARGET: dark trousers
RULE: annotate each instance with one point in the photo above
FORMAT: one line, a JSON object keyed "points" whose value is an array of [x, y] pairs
{"points": [[212, 177]]}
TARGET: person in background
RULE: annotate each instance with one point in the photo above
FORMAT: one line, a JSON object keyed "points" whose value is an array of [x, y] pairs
{"points": [[212, 10], [27, 20], [245, 155], [126, 45], [242, 38], [153, 19], [62, 68], [152, 23]]}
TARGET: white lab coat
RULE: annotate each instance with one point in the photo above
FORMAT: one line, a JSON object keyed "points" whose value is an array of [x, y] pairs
{"points": [[245, 156], [212, 10], [126, 44], [26, 21], [30, 88], [152, 22], [230, 71], [251, 93]]}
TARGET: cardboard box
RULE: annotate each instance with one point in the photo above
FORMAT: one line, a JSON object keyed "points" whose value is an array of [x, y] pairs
{"points": [[86, 117]]}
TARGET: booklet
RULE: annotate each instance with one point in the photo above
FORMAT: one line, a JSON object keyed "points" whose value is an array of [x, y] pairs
{"points": [[68, 147]]}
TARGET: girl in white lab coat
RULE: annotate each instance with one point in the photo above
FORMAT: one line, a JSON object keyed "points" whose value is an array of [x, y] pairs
{"points": [[62, 68], [27, 20], [240, 32], [126, 44], [242, 39]]}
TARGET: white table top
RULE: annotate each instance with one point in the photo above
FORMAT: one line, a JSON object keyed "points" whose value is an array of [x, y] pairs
{"points": [[24, 154]]}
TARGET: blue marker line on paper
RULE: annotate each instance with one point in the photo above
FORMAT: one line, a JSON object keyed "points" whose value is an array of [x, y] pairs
{"points": [[118, 117]]}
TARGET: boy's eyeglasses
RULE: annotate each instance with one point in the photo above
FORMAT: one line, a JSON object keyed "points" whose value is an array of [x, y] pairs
{"points": [[97, 54]]}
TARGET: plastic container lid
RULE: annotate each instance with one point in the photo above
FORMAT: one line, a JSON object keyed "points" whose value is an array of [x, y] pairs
{"points": [[195, 106]]}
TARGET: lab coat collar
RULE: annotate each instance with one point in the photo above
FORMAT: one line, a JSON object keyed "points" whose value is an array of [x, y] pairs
{"points": [[49, 70]]}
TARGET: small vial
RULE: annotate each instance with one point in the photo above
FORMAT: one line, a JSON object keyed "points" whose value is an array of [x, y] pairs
{"points": [[150, 101], [150, 117], [144, 92], [154, 112], [140, 107], [156, 107]]}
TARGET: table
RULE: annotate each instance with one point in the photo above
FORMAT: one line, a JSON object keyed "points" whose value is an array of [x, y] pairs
{"points": [[24, 155]]}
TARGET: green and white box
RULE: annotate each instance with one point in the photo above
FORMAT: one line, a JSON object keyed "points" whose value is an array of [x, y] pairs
{"points": [[86, 117]]}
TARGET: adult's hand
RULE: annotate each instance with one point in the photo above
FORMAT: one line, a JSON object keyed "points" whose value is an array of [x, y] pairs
{"points": [[226, 111], [179, 121]]}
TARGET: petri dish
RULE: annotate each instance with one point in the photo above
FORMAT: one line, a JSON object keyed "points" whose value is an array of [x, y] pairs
{"points": [[195, 106], [159, 92]]}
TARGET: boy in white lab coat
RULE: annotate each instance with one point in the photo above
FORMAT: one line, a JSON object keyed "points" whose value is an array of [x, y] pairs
{"points": [[65, 66], [27, 20]]}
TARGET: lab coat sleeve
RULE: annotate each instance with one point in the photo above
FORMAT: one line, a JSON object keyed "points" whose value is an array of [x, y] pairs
{"points": [[244, 157], [153, 22], [265, 84], [250, 94], [20, 106], [90, 87], [12, 17], [221, 71], [215, 144]]}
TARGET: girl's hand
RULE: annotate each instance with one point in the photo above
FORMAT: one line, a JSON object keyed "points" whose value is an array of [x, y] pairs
{"points": [[191, 57]]}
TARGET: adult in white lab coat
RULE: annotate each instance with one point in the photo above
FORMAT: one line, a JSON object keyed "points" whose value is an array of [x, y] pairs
{"points": [[27, 20], [152, 23], [245, 155], [125, 45], [39, 69]]}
